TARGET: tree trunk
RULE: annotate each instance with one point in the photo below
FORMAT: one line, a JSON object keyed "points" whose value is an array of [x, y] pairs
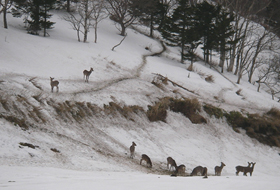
{"points": [[222, 59], [232, 59], [86, 22], [237, 65], [68, 6], [5, 17], [151, 27], [122, 29], [239, 76], [95, 32]]}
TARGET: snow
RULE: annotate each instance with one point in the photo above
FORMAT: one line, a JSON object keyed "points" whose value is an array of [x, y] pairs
{"points": [[94, 153]]}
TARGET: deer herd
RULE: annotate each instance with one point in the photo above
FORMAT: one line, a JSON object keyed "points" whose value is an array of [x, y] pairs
{"points": [[197, 171], [54, 83]]}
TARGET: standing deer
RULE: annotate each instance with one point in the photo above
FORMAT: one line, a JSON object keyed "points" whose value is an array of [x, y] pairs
{"points": [[199, 170], [87, 73], [147, 159], [54, 83], [171, 162], [241, 168], [249, 169], [132, 150], [218, 169]]}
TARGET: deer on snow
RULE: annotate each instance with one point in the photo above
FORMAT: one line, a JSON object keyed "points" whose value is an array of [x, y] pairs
{"points": [[218, 169], [132, 150], [147, 160], [54, 83], [242, 168], [249, 169], [87, 73], [199, 170], [171, 162]]}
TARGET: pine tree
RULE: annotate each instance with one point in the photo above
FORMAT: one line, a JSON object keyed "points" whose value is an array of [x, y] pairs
{"points": [[180, 30], [45, 22], [206, 14], [223, 31], [37, 14]]}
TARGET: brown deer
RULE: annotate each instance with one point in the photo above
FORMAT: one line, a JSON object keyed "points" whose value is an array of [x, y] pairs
{"points": [[171, 162], [54, 83], [199, 170], [132, 150], [249, 169], [241, 168], [218, 169], [87, 73], [147, 159], [180, 169]]}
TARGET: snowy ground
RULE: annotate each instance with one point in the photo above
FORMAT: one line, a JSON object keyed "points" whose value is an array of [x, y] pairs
{"points": [[94, 153], [52, 178]]}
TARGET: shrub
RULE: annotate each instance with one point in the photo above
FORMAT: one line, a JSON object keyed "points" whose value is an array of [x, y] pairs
{"points": [[158, 111], [189, 108], [209, 78], [213, 111], [236, 119], [274, 113]]}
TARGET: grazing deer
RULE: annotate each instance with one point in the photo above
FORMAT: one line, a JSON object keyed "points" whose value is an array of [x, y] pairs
{"points": [[171, 162], [147, 159], [87, 73], [180, 169], [54, 83], [218, 169], [249, 169], [241, 168], [199, 170], [132, 150]]}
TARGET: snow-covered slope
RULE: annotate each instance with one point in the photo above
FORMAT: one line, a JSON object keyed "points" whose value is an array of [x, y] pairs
{"points": [[124, 76]]}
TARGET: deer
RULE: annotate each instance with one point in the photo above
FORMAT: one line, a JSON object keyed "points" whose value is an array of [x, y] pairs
{"points": [[249, 169], [87, 73], [147, 159], [132, 150], [171, 162], [199, 170], [241, 168], [218, 169], [54, 83], [180, 169]]}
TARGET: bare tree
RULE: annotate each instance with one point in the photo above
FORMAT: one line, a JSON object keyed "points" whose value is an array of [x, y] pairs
{"points": [[269, 76], [245, 50], [81, 20], [75, 21], [120, 13], [265, 41], [245, 11], [98, 14], [4, 7]]}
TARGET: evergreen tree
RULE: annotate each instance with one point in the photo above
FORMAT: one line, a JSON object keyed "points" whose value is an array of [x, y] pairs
{"points": [[223, 32], [180, 30], [205, 15], [145, 11], [37, 14], [45, 22]]}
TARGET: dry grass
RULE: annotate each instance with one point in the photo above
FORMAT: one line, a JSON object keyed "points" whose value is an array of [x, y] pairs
{"points": [[209, 78], [4, 103], [158, 112], [188, 107]]}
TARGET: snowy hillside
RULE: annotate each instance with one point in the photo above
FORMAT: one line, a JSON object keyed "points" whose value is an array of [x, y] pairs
{"points": [[94, 151]]}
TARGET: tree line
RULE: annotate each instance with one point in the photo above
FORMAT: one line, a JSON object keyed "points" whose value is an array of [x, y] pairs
{"points": [[243, 33]]}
